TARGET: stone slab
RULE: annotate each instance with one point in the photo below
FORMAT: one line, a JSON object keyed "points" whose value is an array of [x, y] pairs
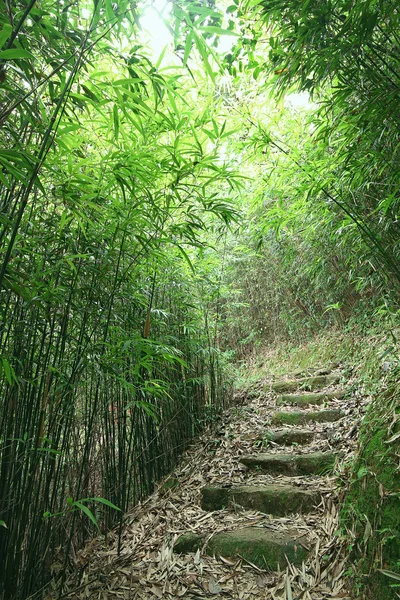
{"points": [[306, 399], [288, 437], [300, 418], [291, 464], [309, 383], [188, 542], [275, 499], [264, 548]]}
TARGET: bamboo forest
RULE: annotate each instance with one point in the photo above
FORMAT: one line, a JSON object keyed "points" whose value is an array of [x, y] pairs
{"points": [[200, 299]]}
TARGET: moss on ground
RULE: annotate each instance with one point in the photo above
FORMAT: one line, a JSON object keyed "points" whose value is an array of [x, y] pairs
{"points": [[372, 506]]}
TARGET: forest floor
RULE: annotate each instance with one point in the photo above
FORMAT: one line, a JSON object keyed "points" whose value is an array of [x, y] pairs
{"points": [[147, 567]]}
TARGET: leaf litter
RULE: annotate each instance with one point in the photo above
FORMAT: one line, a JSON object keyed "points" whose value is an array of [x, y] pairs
{"points": [[147, 567]]}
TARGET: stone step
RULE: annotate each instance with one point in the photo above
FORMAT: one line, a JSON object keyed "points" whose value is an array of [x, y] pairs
{"points": [[305, 399], [277, 500], [291, 464], [287, 437], [312, 372], [300, 418], [309, 383], [264, 548]]}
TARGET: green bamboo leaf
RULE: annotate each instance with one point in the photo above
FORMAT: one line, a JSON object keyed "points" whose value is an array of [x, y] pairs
{"points": [[188, 47], [5, 34], [204, 51], [219, 30], [390, 574], [148, 408], [252, 3], [49, 451], [17, 173], [226, 134], [104, 501], [209, 134], [8, 371], [87, 512], [116, 121], [109, 10], [15, 53], [215, 127], [11, 283], [161, 57], [175, 359]]}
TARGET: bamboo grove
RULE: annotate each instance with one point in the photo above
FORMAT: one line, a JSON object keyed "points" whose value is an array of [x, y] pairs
{"points": [[345, 54], [107, 185], [321, 238], [158, 215]]}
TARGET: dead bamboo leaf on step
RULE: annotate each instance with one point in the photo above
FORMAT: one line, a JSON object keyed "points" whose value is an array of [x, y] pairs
{"points": [[213, 587], [367, 530], [288, 588]]}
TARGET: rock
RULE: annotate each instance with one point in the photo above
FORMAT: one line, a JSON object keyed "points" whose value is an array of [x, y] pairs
{"points": [[275, 499], [299, 418], [188, 542], [258, 545], [287, 437], [323, 371], [309, 383], [305, 399], [215, 497], [291, 464]]}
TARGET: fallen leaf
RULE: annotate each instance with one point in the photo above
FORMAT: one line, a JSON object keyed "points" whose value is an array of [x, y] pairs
{"points": [[213, 587]]}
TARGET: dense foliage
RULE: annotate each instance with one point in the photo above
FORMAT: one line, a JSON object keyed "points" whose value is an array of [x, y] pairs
{"points": [[160, 214], [108, 184], [322, 233]]}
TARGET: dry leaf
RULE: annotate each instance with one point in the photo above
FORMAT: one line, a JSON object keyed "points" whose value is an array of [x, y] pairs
{"points": [[214, 587], [367, 531], [288, 589], [153, 526]]}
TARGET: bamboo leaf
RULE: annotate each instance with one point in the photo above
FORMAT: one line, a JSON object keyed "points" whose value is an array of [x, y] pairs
{"points": [[15, 53], [8, 371], [219, 30], [390, 574], [188, 47], [5, 34], [78, 504], [116, 121], [102, 501]]}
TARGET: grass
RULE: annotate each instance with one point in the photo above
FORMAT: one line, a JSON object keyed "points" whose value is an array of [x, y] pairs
{"points": [[353, 346]]}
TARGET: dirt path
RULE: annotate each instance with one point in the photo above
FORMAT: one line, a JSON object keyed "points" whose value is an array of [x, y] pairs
{"points": [[262, 549]]}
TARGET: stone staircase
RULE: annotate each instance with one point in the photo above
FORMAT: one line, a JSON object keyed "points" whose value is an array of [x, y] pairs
{"points": [[290, 435]]}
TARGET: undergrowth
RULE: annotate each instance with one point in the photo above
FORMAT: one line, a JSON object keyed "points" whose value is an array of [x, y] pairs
{"points": [[368, 350], [371, 509]]}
